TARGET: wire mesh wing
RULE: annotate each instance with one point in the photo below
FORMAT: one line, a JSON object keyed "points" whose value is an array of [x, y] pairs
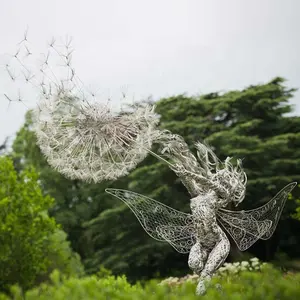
{"points": [[160, 221], [247, 226]]}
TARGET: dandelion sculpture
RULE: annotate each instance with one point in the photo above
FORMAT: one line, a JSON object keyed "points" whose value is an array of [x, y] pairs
{"points": [[87, 140], [80, 137]]}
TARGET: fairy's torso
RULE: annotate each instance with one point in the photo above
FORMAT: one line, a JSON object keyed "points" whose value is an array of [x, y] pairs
{"points": [[203, 208]]}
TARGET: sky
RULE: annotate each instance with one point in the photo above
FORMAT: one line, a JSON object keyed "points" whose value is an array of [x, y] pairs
{"points": [[158, 48]]}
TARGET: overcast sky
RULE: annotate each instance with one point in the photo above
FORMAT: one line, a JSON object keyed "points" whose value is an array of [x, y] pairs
{"points": [[160, 47]]}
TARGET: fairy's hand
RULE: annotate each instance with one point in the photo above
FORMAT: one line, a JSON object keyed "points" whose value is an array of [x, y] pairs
{"points": [[180, 170]]}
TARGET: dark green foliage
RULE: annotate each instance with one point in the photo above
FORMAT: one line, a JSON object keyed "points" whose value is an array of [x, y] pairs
{"points": [[251, 124], [31, 242]]}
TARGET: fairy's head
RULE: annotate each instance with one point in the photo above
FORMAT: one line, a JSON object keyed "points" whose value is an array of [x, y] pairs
{"points": [[228, 178], [233, 180]]}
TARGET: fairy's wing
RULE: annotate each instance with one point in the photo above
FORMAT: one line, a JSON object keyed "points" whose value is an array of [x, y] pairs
{"points": [[160, 221], [247, 226], [242, 227]]}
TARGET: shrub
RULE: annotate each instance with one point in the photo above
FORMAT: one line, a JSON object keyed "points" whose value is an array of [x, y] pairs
{"points": [[265, 285], [30, 240]]}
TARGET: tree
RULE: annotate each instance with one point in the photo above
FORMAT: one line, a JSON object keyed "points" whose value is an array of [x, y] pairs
{"points": [[28, 236], [251, 124]]}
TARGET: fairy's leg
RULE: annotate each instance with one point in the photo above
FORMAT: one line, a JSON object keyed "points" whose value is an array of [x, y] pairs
{"points": [[197, 258], [215, 259]]}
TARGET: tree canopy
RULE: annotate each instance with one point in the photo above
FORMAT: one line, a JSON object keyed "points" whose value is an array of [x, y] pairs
{"points": [[252, 124]]}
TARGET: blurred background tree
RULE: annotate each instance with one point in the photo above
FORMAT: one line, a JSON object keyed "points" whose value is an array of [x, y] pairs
{"points": [[254, 124]]}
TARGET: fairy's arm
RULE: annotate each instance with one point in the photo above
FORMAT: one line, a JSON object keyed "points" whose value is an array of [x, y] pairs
{"points": [[205, 182], [187, 168], [190, 185]]}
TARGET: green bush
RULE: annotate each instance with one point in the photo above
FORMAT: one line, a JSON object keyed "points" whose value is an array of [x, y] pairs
{"points": [[265, 285], [61, 257], [31, 244]]}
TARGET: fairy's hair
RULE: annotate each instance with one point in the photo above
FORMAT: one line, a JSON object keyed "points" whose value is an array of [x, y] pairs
{"points": [[225, 175]]}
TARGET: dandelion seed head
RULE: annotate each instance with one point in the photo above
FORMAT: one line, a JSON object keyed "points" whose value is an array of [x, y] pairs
{"points": [[90, 141], [81, 136]]}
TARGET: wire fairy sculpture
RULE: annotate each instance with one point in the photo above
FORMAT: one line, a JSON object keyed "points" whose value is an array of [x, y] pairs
{"points": [[212, 186], [84, 139]]}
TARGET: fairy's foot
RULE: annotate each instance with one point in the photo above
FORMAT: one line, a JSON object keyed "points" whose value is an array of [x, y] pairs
{"points": [[202, 286]]}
